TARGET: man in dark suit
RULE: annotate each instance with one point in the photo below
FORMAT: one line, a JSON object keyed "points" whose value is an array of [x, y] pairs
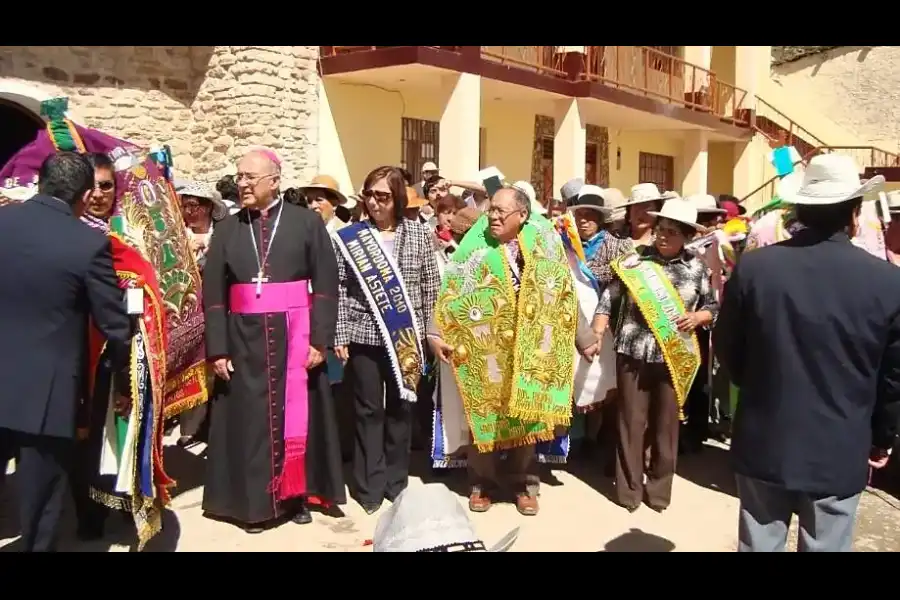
{"points": [[810, 331], [54, 274]]}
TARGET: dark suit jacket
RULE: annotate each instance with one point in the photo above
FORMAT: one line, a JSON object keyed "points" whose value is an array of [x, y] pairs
{"points": [[810, 331], [54, 272]]}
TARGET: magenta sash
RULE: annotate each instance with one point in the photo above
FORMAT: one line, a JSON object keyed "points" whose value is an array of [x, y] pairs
{"points": [[292, 299]]}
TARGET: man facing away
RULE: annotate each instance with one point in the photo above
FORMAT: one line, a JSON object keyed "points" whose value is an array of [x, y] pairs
{"points": [[273, 440], [810, 331], [56, 272]]}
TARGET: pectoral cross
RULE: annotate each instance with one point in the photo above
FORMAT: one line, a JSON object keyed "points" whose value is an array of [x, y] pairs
{"points": [[259, 280]]}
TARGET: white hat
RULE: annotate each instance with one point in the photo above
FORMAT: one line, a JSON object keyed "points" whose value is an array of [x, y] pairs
{"points": [[429, 166], [429, 518], [705, 203], [679, 209], [201, 190], [644, 192], [592, 197], [527, 189], [831, 179]]}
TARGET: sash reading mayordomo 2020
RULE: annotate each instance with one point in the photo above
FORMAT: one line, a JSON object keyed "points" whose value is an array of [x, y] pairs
{"points": [[389, 302], [660, 304]]}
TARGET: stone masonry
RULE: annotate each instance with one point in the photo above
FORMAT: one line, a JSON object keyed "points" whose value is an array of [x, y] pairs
{"points": [[209, 103]]}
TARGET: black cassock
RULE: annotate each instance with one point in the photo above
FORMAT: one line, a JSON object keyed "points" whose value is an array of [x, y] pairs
{"points": [[246, 438]]}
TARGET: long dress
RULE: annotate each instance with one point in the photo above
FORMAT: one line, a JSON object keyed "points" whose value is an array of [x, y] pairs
{"points": [[246, 440]]}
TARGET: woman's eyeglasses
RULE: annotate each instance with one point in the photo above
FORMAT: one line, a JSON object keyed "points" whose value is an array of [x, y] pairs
{"points": [[379, 197]]}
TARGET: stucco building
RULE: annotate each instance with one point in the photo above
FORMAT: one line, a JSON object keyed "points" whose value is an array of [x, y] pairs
{"points": [[209, 103], [690, 118]]}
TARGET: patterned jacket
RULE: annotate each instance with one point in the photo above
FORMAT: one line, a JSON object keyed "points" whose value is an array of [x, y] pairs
{"points": [[414, 255]]}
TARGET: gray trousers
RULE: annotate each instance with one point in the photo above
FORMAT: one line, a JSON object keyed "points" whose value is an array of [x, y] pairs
{"points": [[826, 522]]}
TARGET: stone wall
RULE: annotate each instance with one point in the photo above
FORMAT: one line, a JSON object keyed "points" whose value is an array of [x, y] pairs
{"points": [[209, 103], [857, 87]]}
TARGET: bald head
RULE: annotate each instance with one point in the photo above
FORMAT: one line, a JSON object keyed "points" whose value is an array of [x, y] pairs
{"points": [[258, 178]]}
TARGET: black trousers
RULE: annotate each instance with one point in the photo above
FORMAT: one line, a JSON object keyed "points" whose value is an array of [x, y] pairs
{"points": [[698, 406], [382, 428], [43, 464]]}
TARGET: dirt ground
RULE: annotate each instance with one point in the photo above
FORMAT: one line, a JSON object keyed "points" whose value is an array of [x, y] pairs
{"points": [[576, 515]]}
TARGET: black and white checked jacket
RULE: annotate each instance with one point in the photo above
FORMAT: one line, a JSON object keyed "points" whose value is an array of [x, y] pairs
{"points": [[414, 255]]}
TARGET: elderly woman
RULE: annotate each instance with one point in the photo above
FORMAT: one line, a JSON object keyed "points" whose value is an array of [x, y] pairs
{"points": [[201, 207], [645, 199], [661, 279], [382, 314]]}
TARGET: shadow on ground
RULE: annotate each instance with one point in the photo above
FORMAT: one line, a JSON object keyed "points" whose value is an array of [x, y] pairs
{"points": [[636, 540], [709, 468], [185, 467]]}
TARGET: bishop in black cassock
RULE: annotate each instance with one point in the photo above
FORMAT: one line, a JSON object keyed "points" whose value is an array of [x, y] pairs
{"points": [[246, 440]]}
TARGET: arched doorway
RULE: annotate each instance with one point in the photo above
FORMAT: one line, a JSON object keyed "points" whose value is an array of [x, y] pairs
{"points": [[19, 126]]}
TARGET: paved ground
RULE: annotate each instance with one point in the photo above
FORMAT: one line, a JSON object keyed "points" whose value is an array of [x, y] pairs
{"points": [[576, 515]]}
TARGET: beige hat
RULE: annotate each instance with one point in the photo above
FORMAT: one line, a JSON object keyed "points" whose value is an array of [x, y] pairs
{"points": [[328, 184], [644, 192], [705, 203], [429, 166], [832, 179], [528, 189], [615, 200], [893, 202], [681, 210]]}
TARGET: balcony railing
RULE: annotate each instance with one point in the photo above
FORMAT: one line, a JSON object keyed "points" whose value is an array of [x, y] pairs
{"points": [[781, 129], [544, 60], [647, 71], [641, 70], [327, 51]]}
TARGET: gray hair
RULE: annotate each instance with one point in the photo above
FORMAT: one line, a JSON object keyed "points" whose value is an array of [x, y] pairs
{"points": [[522, 200]]}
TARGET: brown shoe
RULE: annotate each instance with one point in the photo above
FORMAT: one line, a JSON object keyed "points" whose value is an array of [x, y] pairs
{"points": [[479, 502], [527, 505]]}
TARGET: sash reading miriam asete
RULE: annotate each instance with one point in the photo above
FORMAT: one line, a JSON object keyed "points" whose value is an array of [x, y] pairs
{"points": [[292, 299], [660, 305], [389, 303]]}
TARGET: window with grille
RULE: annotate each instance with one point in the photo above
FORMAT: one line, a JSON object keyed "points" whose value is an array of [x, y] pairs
{"points": [[661, 63], [419, 143], [658, 169]]}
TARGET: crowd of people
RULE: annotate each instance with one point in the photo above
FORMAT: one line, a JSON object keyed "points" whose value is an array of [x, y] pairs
{"points": [[466, 317]]}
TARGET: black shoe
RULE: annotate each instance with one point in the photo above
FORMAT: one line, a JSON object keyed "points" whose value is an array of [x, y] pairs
{"points": [[372, 508], [302, 516]]}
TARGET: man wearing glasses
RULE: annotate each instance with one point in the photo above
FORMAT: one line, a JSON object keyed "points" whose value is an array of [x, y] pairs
{"points": [[273, 440]]}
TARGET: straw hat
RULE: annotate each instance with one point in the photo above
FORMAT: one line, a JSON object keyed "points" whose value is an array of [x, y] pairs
{"points": [[831, 179], [705, 204], [429, 166], [413, 200], [201, 190], [429, 518], [330, 185], [20, 193], [644, 192], [681, 210], [616, 201], [590, 196]]}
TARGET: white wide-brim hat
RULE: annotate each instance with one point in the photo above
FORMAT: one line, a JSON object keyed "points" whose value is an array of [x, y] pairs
{"points": [[681, 210], [528, 189], [705, 203], [644, 192], [19, 193], [429, 518], [831, 179], [202, 190], [592, 197]]}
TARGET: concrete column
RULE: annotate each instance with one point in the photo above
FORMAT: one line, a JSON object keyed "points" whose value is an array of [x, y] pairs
{"points": [[569, 144], [696, 79], [747, 72], [461, 127], [750, 160], [695, 163]]}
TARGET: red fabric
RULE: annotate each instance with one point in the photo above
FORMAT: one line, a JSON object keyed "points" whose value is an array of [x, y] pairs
{"points": [[444, 234]]}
